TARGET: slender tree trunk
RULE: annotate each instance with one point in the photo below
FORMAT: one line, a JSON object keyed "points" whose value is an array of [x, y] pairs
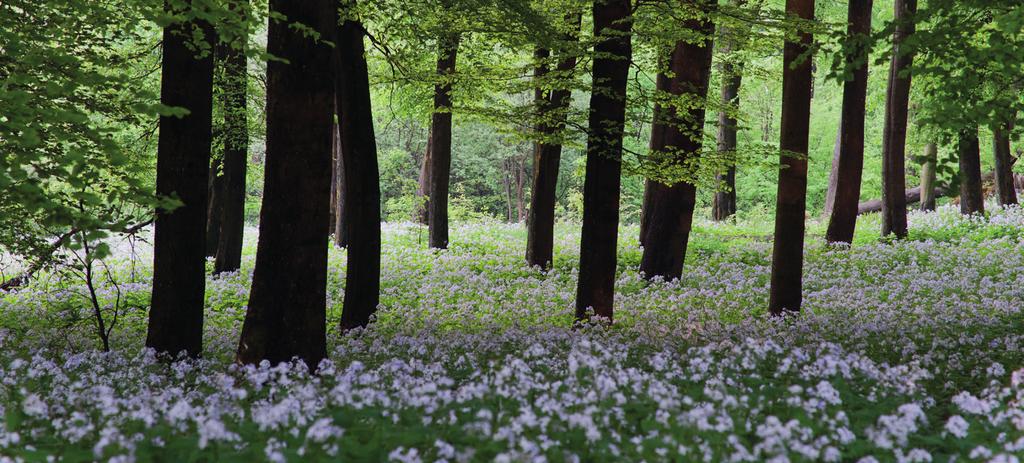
{"points": [[540, 233], [441, 144], [342, 233], [928, 177], [657, 143], [894, 134], [287, 303], [671, 210], [850, 164], [362, 179], [723, 205], [787, 254], [1003, 166], [236, 154], [332, 215], [972, 200], [833, 174], [599, 238], [422, 212], [214, 205], [182, 171]]}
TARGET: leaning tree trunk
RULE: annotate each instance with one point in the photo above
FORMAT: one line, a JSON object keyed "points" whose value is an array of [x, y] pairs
{"points": [[439, 172], [182, 171], [928, 177], [670, 213], [657, 143], [421, 212], [214, 205], [236, 153], [972, 201], [1005, 191], [894, 134], [833, 174], [362, 179], [287, 304], [540, 222], [613, 51], [341, 205], [850, 164], [787, 254]]}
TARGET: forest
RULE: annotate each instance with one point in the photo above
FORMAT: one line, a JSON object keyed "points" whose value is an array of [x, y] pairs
{"points": [[511, 230]]}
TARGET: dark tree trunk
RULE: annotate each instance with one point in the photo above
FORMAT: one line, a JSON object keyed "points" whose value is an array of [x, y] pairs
{"points": [[657, 143], [422, 212], [214, 205], [1003, 166], [341, 205], [972, 201], [894, 134], [670, 213], [787, 254], [833, 174], [182, 171], [599, 238], [441, 144], [928, 177], [723, 205], [850, 164], [362, 180], [236, 154], [332, 215], [287, 304], [546, 159]]}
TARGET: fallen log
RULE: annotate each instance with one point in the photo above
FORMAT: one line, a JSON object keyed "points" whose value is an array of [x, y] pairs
{"points": [[913, 196]]}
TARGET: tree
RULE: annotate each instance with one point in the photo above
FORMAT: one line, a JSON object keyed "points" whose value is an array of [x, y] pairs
{"points": [[236, 148], [850, 163], [1005, 191], [599, 238], [214, 189], [972, 200], [361, 187], [669, 215], [182, 172], [657, 142], [340, 209], [723, 204], [552, 107], [928, 177], [286, 317], [787, 254], [894, 134], [440, 165]]}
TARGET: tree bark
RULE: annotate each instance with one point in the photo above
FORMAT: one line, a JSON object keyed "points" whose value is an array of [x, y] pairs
{"points": [[723, 205], [972, 201], [913, 195], [787, 254], [287, 304], [182, 171], [441, 143], [214, 205], [361, 183], [670, 213], [894, 134], [236, 154], [613, 51], [540, 233], [1003, 166], [342, 233], [658, 115], [422, 214], [928, 177], [833, 173], [849, 166]]}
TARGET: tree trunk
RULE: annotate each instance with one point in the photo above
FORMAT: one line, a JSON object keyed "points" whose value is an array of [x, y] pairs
{"points": [[441, 144], [928, 177], [236, 154], [670, 213], [214, 205], [849, 166], [287, 303], [182, 171], [833, 173], [362, 179], [972, 201], [599, 238], [422, 213], [894, 134], [540, 222], [1003, 166], [787, 254], [657, 143], [332, 214], [341, 211], [723, 205]]}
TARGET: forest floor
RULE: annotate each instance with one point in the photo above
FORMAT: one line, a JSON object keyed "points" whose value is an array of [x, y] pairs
{"points": [[905, 351]]}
